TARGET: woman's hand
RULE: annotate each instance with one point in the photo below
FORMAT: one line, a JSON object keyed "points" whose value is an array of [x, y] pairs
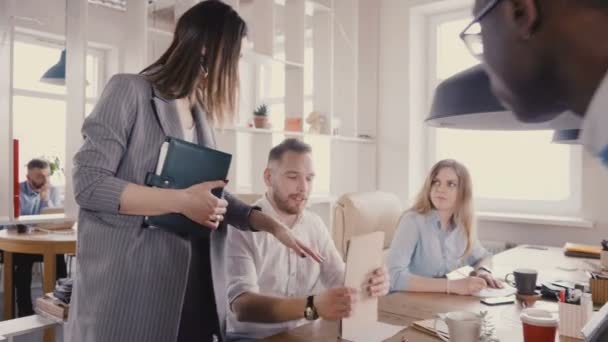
{"points": [[202, 206], [467, 286], [284, 235], [490, 280], [266, 223]]}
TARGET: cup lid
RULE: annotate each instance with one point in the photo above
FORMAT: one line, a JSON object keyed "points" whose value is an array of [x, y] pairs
{"points": [[538, 317]]}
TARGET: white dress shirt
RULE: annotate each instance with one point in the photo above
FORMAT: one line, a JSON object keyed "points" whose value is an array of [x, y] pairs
{"points": [[595, 124], [258, 263]]}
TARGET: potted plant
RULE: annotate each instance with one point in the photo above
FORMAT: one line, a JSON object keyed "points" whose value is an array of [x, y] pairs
{"points": [[260, 116], [55, 165], [487, 328]]}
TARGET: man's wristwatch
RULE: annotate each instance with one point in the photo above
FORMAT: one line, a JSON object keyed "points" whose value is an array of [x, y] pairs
{"points": [[310, 312]]}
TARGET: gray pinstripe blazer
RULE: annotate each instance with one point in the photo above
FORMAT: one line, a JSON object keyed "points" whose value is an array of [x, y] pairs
{"points": [[131, 281]]}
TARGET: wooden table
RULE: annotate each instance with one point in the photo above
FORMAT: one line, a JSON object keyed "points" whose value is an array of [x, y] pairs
{"points": [[35, 242], [406, 308]]}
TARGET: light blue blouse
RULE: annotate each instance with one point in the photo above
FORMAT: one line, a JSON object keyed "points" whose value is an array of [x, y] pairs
{"points": [[422, 248]]}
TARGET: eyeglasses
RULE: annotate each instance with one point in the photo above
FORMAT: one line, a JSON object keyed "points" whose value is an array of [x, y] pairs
{"points": [[471, 35]]}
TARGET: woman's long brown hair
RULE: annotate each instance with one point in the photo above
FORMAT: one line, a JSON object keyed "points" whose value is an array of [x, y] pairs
{"points": [[213, 78], [464, 213]]}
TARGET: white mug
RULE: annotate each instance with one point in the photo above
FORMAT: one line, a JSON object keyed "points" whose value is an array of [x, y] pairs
{"points": [[462, 326], [604, 259]]}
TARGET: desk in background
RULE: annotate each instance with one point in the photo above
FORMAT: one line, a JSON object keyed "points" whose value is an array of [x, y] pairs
{"points": [[36, 242], [406, 308]]}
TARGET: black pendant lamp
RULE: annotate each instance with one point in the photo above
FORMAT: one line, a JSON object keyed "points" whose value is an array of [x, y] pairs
{"points": [[466, 101]]}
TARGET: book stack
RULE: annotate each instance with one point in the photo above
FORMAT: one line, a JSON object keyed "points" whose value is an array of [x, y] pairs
{"points": [[57, 303], [50, 305], [582, 251]]}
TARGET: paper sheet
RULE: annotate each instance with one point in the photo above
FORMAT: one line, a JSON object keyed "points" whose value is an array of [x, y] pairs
{"points": [[377, 332], [492, 293], [460, 273], [364, 255], [597, 322]]}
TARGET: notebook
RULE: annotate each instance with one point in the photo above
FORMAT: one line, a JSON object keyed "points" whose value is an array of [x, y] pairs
{"points": [[427, 326], [182, 164]]}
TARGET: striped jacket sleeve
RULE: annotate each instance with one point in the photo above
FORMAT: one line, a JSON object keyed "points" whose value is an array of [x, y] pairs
{"points": [[238, 212], [106, 134]]}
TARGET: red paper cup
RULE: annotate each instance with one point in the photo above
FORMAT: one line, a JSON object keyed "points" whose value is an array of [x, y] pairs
{"points": [[539, 325]]}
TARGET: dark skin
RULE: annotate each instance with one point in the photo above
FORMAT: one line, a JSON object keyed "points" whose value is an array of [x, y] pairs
{"points": [[545, 57]]}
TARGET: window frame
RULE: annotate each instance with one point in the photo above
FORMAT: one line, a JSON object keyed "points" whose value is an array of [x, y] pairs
{"points": [[34, 39], [28, 36], [571, 206]]}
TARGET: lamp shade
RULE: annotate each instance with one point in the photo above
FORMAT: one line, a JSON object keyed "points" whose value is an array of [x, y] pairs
{"points": [[466, 101], [56, 73]]}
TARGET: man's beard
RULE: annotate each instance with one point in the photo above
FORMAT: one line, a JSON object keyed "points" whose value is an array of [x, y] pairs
{"points": [[282, 204], [37, 186]]}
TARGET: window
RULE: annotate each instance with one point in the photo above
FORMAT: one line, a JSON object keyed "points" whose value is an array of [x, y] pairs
{"points": [[39, 109], [519, 171]]}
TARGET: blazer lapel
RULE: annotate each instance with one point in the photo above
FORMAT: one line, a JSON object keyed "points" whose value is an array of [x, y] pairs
{"points": [[204, 131], [166, 112]]}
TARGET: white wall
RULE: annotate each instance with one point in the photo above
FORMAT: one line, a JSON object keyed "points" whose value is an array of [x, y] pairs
{"points": [[397, 147], [392, 123], [346, 55]]}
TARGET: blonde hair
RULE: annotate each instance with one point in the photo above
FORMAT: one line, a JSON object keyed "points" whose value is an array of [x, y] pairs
{"points": [[464, 212]]}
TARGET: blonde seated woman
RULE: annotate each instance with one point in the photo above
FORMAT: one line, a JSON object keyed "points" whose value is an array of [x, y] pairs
{"points": [[437, 236]]}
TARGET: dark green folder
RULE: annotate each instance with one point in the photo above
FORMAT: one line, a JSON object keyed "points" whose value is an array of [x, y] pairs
{"points": [[186, 164]]}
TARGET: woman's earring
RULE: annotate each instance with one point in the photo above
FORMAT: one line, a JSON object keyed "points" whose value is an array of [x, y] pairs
{"points": [[203, 67]]}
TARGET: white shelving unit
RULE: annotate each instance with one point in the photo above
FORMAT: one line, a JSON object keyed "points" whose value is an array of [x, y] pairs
{"points": [[294, 46], [160, 26]]}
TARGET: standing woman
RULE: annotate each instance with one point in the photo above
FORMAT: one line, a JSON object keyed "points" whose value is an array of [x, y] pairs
{"points": [[143, 284]]}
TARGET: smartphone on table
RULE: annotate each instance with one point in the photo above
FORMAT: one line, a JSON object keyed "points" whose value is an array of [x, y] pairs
{"points": [[498, 300]]}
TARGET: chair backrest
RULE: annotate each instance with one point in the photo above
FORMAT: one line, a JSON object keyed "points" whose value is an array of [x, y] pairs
{"points": [[362, 213]]}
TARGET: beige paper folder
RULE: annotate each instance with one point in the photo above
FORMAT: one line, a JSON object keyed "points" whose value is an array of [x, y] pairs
{"points": [[364, 255]]}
